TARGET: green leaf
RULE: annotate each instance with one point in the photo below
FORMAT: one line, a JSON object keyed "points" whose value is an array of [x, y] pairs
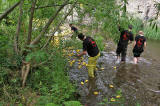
{"points": [[154, 25]]}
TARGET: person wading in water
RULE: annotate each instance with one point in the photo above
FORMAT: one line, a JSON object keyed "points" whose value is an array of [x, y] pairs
{"points": [[125, 37], [139, 46], [90, 47]]}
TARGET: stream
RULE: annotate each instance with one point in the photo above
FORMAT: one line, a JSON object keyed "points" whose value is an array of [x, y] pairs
{"points": [[121, 84]]}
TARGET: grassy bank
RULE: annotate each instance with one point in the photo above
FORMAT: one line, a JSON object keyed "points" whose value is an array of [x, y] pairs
{"points": [[148, 29], [47, 84]]}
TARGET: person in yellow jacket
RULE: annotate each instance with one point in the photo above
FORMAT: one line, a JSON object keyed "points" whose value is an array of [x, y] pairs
{"points": [[90, 47]]}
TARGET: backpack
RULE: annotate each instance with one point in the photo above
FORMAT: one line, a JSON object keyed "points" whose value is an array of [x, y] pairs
{"points": [[125, 36], [140, 43], [92, 43]]}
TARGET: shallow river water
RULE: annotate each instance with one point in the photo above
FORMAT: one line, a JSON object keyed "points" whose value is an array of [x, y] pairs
{"points": [[121, 84]]}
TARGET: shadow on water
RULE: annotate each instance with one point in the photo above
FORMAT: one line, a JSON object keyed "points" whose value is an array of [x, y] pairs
{"points": [[92, 88]]}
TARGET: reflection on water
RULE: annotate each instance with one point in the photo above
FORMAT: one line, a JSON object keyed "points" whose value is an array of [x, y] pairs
{"points": [[153, 51], [127, 73], [135, 82], [92, 88]]}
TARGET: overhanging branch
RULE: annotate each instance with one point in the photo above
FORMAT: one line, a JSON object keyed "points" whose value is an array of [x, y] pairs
{"points": [[9, 10], [50, 38], [37, 39]]}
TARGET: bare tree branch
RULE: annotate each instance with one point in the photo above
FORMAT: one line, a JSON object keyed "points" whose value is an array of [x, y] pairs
{"points": [[16, 38], [9, 10], [30, 22], [50, 38], [37, 39], [48, 6], [52, 5]]}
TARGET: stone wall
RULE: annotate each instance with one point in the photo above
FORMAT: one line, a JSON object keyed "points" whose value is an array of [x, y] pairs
{"points": [[142, 8]]}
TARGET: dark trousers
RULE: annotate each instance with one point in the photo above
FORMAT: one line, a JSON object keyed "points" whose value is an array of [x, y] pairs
{"points": [[137, 51], [122, 50]]}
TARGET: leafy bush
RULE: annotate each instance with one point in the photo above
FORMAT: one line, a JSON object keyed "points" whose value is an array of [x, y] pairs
{"points": [[51, 104], [137, 25], [148, 30], [152, 33], [72, 103], [76, 43], [51, 80], [37, 56], [3, 48], [99, 42], [44, 101]]}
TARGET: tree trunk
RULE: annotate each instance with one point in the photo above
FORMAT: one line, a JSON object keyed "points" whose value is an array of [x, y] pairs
{"points": [[37, 39], [50, 38], [9, 10], [25, 72], [16, 38], [30, 22]]}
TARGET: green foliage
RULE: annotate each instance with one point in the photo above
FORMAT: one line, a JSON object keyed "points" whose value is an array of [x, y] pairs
{"points": [[41, 13], [137, 25], [51, 104], [72, 103], [37, 56], [152, 34], [69, 43], [99, 42], [3, 47], [51, 80], [9, 80], [7, 57], [1, 103], [43, 101], [148, 29], [138, 104], [154, 23], [103, 15]]}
